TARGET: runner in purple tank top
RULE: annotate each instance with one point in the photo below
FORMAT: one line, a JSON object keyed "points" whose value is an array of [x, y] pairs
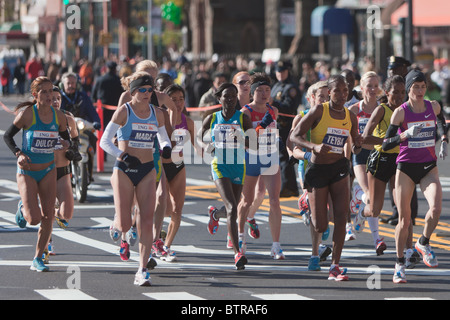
{"points": [[413, 127], [174, 168]]}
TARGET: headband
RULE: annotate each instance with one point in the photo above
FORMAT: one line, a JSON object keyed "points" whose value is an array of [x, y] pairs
{"points": [[140, 82], [256, 85]]}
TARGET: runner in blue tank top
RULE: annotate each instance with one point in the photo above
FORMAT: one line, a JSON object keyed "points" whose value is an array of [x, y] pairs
{"points": [[137, 124], [227, 128], [36, 173]]}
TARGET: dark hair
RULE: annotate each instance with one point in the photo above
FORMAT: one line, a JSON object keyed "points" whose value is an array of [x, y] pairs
{"points": [[335, 78], [391, 81], [34, 88], [224, 86], [388, 84], [260, 77], [174, 88]]}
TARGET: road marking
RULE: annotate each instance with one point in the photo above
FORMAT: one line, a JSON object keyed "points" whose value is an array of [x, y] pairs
{"points": [[172, 296], [64, 294]]}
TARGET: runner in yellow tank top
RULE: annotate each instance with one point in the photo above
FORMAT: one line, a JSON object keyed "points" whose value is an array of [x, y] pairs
{"points": [[328, 171]]}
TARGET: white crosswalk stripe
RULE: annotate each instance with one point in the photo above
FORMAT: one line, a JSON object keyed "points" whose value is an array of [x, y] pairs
{"points": [[64, 294]]}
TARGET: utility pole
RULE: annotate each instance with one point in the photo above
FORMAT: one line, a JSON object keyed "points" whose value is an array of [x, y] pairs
{"points": [[409, 34], [149, 30]]}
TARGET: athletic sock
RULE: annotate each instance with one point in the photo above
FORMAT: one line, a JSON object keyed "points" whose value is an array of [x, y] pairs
{"points": [[424, 240], [373, 224]]}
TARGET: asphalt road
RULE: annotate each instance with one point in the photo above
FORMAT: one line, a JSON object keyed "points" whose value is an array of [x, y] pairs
{"points": [[87, 263]]}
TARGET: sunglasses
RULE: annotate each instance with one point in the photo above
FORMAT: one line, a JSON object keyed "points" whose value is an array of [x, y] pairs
{"points": [[143, 90], [244, 82]]}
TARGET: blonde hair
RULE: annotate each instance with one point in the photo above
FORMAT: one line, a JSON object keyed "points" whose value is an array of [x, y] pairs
{"points": [[315, 87], [147, 64], [367, 76], [125, 81]]}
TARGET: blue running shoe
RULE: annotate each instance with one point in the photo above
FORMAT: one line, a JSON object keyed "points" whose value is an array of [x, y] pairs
{"points": [[313, 264], [39, 266], [20, 220]]}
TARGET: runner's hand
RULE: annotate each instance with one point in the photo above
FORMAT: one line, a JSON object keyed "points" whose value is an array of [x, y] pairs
{"points": [[413, 131]]}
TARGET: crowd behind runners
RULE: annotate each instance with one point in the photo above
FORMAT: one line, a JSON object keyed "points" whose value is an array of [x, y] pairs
{"points": [[351, 137]]}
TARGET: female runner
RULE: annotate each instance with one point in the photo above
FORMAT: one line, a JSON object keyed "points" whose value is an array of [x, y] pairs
{"points": [[363, 109], [137, 124], [64, 196], [36, 173], [227, 128], [262, 167], [380, 164], [328, 170], [174, 168], [416, 164]]}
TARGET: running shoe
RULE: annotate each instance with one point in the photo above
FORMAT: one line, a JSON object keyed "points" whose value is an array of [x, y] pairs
{"points": [[240, 261], [303, 205], [142, 278], [355, 203], [229, 243], [412, 258], [428, 256], [399, 273], [242, 245], [313, 264], [124, 251], [337, 275], [360, 221], [51, 248], [158, 249], [324, 252], [114, 233], [131, 236], [213, 224], [253, 230], [276, 252], [38, 265], [151, 264], [20, 220], [170, 256], [45, 256], [63, 224], [349, 235], [380, 247]]}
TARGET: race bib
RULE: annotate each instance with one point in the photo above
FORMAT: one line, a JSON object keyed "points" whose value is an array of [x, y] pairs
{"points": [[426, 137], [336, 138], [142, 135], [225, 136], [44, 141]]}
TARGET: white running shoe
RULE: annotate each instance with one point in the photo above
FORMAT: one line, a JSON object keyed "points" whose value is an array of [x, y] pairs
{"points": [[399, 273], [360, 220], [276, 252], [170, 256], [131, 236], [142, 278], [114, 233], [429, 258], [349, 235]]}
